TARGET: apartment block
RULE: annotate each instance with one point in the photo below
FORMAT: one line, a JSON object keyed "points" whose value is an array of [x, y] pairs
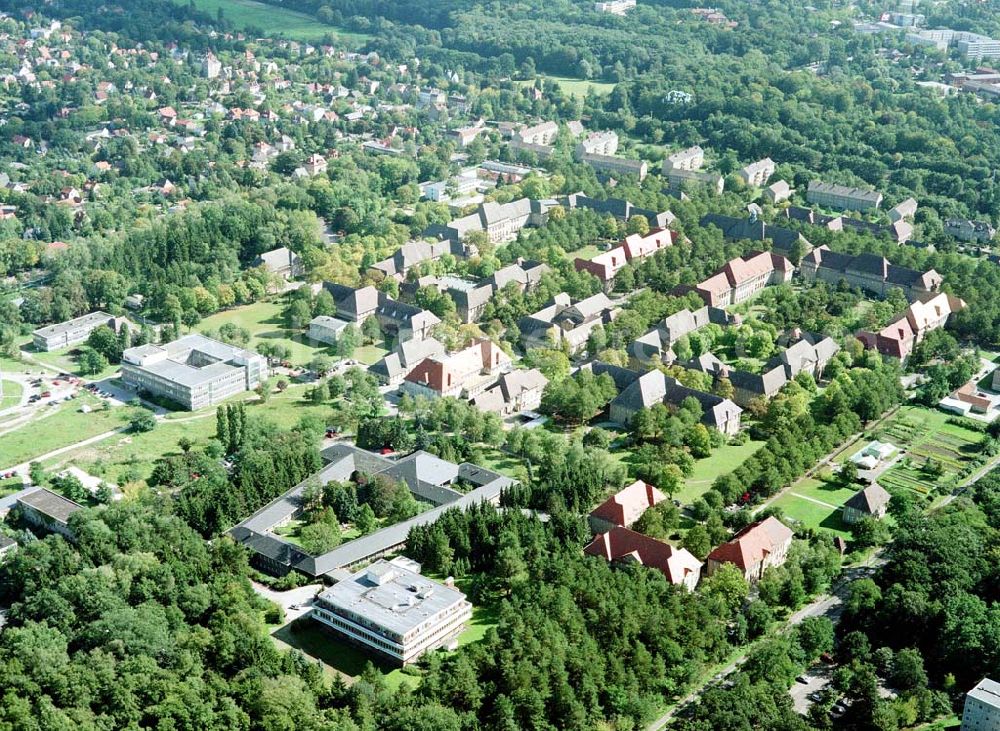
{"points": [[72, 332]]}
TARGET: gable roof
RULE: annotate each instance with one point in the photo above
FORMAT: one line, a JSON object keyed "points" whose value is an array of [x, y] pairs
{"points": [[869, 500], [752, 544], [625, 506], [622, 544]]}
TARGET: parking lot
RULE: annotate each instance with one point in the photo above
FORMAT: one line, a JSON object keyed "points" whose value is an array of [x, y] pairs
{"points": [[805, 694]]}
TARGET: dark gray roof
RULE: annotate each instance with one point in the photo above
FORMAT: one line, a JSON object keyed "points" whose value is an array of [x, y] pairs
{"points": [[870, 499], [50, 504], [623, 377]]}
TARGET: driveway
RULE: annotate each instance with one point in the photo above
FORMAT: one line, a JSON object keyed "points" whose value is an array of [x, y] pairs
{"points": [[295, 602]]}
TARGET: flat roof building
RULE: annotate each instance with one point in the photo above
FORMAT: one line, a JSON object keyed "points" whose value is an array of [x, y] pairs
{"points": [[326, 329], [71, 332], [193, 371], [48, 510], [982, 707], [393, 612]]}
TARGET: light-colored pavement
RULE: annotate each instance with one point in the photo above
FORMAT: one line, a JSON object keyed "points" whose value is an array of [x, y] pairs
{"points": [[295, 602]]}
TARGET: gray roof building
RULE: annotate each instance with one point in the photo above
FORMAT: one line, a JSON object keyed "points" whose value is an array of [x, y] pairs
{"points": [[427, 476]]}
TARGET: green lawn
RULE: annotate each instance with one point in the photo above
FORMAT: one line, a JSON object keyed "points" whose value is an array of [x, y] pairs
{"points": [[12, 391], [135, 455], [275, 20], [721, 462], [587, 252], [337, 657], [57, 426], [801, 504], [65, 360], [263, 321], [579, 87], [370, 354], [14, 484]]}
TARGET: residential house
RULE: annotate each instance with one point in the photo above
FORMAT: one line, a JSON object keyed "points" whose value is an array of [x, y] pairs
{"points": [[634, 247], [465, 373], [656, 346], [690, 159], [757, 173], [470, 302], [326, 329], [974, 231], [843, 197], [754, 549], [870, 502], [282, 262], [395, 366], [743, 277], [778, 192], [544, 133], [411, 254], [867, 271], [514, 392], [622, 545], [614, 165], [784, 241], [748, 386], [642, 390], [625, 507], [620, 208], [564, 321], [598, 143], [680, 177], [905, 210], [500, 221], [403, 321]]}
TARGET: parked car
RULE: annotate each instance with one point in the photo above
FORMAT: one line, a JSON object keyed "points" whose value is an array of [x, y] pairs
{"points": [[801, 679], [816, 696], [46, 394]]}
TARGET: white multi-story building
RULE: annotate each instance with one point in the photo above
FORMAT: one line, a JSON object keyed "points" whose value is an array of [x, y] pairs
{"points": [[690, 159], [71, 332], [393, 612], [599, 143], [982, 707], [615, 7], [193, 371], [541, 134], [757, 173], [326, 329]]}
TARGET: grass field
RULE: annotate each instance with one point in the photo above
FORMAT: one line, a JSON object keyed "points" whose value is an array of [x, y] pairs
{"points": [[925, 434], [12, 391], [721, 462], [56, 427], [65, 360], [816, 503], [275, 20], [263, 321], [8, 486], [575, 86], [587, 252]]}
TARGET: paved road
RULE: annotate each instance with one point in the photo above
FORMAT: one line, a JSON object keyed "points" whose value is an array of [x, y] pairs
{"points": [[295, 602], [827, 605]]}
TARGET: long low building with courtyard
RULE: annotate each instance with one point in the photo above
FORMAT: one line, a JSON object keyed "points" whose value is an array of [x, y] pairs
{"points": [[429, 478], [193, 371]]}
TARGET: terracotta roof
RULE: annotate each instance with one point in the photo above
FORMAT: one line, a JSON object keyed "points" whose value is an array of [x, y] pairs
{"points": [[752, 544], [622, 544], [624, 507]]}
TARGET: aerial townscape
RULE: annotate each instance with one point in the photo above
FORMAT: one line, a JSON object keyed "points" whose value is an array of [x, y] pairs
{"points": [[629, 365]]}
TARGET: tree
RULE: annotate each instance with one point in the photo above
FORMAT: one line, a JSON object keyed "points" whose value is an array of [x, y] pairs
{"points": [[698, 542], [348, 341], [92, 362], [637, 225], [319, 537], [371, 331], [365, 520], [142, 420], [321, 364]]}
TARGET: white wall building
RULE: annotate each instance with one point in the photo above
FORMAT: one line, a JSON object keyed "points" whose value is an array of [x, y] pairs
{"points": [[982, 707], [393, 612]]}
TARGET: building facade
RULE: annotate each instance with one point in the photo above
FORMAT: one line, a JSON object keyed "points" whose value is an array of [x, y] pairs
{"points": [[843, 197], [982, 707], [393, 612], [193, 371], [73, 332]]}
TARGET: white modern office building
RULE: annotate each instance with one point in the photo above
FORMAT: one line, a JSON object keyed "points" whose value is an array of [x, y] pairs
{"points": [[193, 371], [393, 611], [982, 707]]}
